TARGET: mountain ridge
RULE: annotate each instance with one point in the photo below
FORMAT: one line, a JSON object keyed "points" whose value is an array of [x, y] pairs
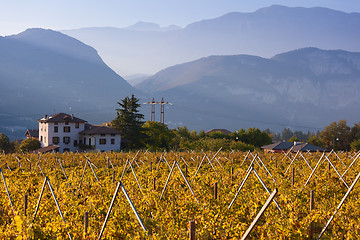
{"points": [[277, 89], [264, 33], [37, 80]]}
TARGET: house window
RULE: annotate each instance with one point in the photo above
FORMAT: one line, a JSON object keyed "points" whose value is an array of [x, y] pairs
{"points": [[77, 125], [112, 141], [56, 129], [56, 123], [40, 138], [113, 134], [102, 141], [89, 141], [55, 140], [75, 143], [103, 134], [66, 140], [44, 139], [67, 129]]}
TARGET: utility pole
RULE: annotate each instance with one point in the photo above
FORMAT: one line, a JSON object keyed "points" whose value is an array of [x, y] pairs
{"points": [[152, 103], [162, 109]]}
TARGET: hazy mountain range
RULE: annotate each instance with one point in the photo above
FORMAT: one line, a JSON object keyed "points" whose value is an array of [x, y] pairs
{"points": [[46, 72], [143, 48], [305, 89]]}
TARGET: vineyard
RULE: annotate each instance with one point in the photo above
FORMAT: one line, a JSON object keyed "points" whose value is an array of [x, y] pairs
{"points": [[155, 195]]}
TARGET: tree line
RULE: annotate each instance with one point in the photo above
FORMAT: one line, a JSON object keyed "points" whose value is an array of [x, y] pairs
{"points": [[138, 134]]}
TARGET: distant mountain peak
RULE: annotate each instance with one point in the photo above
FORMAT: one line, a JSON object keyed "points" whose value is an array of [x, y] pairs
{"points": [[146, 26], [58, 42]]}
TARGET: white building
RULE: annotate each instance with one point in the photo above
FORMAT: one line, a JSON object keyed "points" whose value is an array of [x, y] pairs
{"points": [[74, 134], [100, 138]]}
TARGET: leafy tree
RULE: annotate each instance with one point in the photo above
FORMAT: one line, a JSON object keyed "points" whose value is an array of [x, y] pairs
{"points": [[257, 138], [336, 135], [129, 122], [218, 135], [182, 132], [193, 135], [158, 136], [355, 132], [286, 134], [240, 146], [314, 140], [293, 139], [30, 144], [240, 135], [4, 143], [355, 145]]}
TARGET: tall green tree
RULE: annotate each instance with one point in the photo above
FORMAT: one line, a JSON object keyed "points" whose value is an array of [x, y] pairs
{"points": [[129, 122], [159, 136], [4, 143]]}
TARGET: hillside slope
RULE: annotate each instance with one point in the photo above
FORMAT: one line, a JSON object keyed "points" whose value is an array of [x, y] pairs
{"points": [[306, 88], [44, 72]]}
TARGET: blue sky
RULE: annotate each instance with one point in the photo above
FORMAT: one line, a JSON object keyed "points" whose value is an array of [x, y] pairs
{"points": [[18, 15]]}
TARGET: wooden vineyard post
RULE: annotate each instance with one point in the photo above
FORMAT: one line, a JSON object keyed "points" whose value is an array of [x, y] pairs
{"points": [[275, 163], [86, 222], [25, 204], [192, 230], [113, 178], [262, 210], [312, 206], [154, 183], [150, 166], [215, 191], [186, 171], [293, 176]]}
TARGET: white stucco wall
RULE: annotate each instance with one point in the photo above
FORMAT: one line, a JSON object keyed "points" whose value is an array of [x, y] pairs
{"points": [[46, 134], [95, 141]]}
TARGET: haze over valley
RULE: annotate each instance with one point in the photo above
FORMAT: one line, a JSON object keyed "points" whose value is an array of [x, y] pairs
{"points": [[273, 68]]}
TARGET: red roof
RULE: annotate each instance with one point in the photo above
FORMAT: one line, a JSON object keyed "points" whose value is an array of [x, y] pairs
{"points": [[47, 149]]}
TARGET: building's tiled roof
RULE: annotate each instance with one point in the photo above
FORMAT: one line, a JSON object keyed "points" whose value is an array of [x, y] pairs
{"points": [[304, 147], [61, 117], [297, 146], [97, 129], [49, 148], [34, 133], [224, 131], [279, 146]]}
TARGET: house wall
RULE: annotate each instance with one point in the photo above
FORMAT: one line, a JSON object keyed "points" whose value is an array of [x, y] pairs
{"points": [[96, 140], [47, 134]]}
